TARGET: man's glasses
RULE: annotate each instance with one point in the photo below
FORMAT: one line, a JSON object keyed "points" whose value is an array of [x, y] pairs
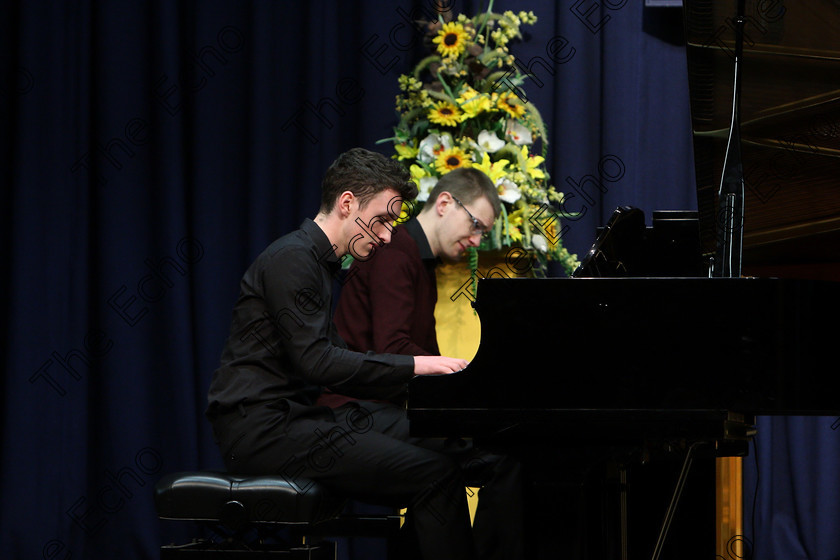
{"points": [[478, 227]]}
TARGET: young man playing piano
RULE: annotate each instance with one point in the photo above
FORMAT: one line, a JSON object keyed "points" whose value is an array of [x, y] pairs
{"points": [[283, 349], [387, 304]]}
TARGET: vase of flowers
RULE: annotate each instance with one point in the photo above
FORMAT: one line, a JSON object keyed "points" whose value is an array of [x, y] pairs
{"points": [[463, 106]]}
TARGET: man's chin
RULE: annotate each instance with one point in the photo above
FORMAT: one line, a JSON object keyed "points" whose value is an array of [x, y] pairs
{"points": [[363, 254], [454, 258]]}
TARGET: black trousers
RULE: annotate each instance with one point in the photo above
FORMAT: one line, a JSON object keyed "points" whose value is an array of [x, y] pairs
{"points": [[363, 450]]}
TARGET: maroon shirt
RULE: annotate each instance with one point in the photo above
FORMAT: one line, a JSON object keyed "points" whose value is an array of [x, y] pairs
{"points": [[387, 303]]}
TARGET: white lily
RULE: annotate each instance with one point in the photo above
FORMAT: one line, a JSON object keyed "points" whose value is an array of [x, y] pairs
{"points": [[519, 134], [432, 145], [490, 142], [425, 187], [539, 242], [508, 190]]}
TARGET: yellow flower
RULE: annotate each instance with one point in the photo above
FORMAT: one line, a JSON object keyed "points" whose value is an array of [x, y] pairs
{"points": [[473, 102], [511, 104], [404, 151], [409, 83], [424, 180], [494, 170], [417, 172], [450, 159], [532, 164], [445, 113], [550, 228], [514, 219], [405, 213], [451, 39]]}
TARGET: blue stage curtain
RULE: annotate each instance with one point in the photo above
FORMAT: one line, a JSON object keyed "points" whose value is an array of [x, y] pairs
{"points": [[791, 489], [150, 150]]}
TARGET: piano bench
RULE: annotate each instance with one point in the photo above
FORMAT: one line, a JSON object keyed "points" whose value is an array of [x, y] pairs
{"points": [[262, 516]]}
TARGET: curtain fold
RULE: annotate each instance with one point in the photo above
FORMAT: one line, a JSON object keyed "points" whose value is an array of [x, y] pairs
{"points": [[791, 489]]}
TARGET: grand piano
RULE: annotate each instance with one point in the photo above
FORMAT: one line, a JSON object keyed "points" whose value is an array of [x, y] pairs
{"points": [[668, 360]]}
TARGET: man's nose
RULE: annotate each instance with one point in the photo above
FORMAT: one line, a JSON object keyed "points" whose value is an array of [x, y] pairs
{"points": [[384, 235]]}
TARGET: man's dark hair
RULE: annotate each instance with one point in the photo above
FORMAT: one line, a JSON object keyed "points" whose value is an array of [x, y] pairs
{"points": [[467, 184], [365, 174]]}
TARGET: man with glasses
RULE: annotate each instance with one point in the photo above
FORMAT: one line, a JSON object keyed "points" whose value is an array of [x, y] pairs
{"points": [[387, 305]]}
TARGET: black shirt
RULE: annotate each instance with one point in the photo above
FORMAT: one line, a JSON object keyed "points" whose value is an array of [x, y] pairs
{"points": [[282, 342]]}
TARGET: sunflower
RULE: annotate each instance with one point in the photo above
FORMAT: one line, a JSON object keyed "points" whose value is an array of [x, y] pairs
{"points": [[511, 104], [445, 113], [451, 39], [450, 159]]}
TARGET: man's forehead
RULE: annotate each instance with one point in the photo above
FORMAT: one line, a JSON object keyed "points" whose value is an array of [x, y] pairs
{"points": [[483, 207], [385, 200]]}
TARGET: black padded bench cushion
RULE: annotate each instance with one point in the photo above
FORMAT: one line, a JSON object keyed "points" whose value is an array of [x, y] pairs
{"points": [[214, 496]]}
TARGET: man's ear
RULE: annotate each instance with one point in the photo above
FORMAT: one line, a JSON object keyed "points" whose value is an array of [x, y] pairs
{"points": [[443, 200], [344, 204]]}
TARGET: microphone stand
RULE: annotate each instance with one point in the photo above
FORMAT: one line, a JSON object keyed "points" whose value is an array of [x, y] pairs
{"points": [[730, 217]]}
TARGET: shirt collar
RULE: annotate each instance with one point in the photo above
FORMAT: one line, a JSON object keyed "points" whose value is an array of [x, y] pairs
{"points": [[323, 246], [415, 230]]}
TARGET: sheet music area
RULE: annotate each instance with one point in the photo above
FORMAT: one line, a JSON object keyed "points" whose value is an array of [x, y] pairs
{"points": [[696, 324]]}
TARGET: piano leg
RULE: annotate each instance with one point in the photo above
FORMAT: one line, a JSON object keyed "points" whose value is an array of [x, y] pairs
{"points": [[675, 498], [622, 488]]}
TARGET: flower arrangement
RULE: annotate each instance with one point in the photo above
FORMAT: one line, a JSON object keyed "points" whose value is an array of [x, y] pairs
{"points": [[461, 108]]}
